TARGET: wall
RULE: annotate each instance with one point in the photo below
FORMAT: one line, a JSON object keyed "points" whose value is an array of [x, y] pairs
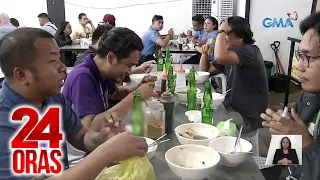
{"points": [[138, 18], [23, 11], [265, 36], [296, 143]]}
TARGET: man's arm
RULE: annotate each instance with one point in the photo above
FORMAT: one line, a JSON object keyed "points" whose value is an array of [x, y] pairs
{"points": [[163, 42], [205, 65], [123, 91]]}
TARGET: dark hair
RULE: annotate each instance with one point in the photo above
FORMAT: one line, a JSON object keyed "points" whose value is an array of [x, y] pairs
{"points": [[113, 23], [43, 15], [241, 29], [312, 21], [121, 41], [198, 18], [156, 18], [288, 140], [98, 32], [81, 15], [17, 49], [61, 28], [214, 22], [14, 22]]}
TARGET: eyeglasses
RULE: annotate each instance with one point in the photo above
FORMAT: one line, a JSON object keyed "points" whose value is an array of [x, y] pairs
{"points": [[306, 59]]}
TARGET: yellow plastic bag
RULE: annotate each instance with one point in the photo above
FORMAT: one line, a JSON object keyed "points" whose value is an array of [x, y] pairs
{"points": [[135, 168]]}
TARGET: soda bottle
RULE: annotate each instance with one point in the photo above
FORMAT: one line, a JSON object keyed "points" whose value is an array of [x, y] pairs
{"points": [[160, 61], [168, 59], [207, 105], [137, 116], [192, 92], [171, 84]]}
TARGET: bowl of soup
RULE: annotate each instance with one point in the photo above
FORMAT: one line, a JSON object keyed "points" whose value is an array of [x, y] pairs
{"points": [[196, 133]]}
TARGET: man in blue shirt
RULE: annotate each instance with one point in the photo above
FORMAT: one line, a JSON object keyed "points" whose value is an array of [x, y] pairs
{"points": [[152, 38], [198, 27], [34, 75], [5, 25]]}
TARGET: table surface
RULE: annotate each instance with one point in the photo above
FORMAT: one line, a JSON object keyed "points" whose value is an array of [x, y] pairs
{"points": [[177, 50], [248, 170]]}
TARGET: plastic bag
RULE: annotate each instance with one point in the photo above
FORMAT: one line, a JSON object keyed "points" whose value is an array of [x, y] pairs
{"points": [[135, 168], [230, 132]]}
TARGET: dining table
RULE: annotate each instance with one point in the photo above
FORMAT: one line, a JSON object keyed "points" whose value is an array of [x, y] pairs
{"points": [[247, 170]]}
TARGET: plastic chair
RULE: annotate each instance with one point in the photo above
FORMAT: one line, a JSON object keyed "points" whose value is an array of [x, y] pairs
{"points": [[223, 81]]}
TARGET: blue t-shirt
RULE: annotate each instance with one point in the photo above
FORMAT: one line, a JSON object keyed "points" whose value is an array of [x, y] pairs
{"points": [[211, 39], [8, 101], [199, 34], [149, 41]]}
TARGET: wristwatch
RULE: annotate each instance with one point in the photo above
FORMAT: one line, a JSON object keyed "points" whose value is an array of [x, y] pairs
{"points": [[221, 31]]}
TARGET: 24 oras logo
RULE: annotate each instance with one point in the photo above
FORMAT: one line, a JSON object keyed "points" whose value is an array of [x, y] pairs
{"points": [[281, 22], [30, 151]]}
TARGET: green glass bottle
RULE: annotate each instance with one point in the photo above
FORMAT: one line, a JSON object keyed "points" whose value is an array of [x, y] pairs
{"points": [[159, 60], [192, 91], [168, 59], [207, 105], [171, 84], [137, 116]]}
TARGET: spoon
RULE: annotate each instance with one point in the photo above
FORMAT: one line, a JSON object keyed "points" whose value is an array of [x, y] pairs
{"points": [[237, 148], [156, 143], [225, 93]]}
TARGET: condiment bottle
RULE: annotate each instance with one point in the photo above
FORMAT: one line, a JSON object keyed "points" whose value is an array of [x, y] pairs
{"points": [[167, 99], [181, 77]]}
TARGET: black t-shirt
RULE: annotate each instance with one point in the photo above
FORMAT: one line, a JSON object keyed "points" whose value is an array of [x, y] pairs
{"points": [[249, 83], [292, 156]]}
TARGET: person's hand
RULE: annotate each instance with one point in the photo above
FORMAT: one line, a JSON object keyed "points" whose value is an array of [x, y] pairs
{"points": [[147, 91], [89, 21], [145, 67], [194, 40], [225, 26], [110, 126], [206, 49], [124, 146], [285, 126], [170, 32], [189, 33], [149, 78], [284, 161]]}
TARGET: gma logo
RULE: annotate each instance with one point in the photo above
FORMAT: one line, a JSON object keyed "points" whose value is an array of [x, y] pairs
{"points": [[279, 23]]}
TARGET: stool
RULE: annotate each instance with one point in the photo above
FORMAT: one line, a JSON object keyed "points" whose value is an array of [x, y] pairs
{"points": [[223, 81], [253, 138]]}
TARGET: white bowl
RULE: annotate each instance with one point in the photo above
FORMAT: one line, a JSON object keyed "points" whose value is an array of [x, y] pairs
{"points": [[137, 78], [194, 116], [181, 94], [202, 76], [225, 145], [192, 162], [217, 98], [201, 129], [151, 150]]}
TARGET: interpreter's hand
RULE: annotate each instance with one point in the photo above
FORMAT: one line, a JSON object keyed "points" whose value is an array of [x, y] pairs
{"points": [[125, 145], [225, 26], [279, 125], [206, 49], [147, 91], [145, 67], [149, 78], [170, 32]]}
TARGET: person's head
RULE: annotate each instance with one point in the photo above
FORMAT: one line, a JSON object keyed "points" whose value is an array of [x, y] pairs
{"points": [[14, 22], [308, 69], [30, 61], [118, 51], [285, 143], [197, 22], [64, 28], [157, 22], [210, 24], [240, 33], [99, 31], [83, 19], [43, 19], [109, 19], [4, 19]]}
